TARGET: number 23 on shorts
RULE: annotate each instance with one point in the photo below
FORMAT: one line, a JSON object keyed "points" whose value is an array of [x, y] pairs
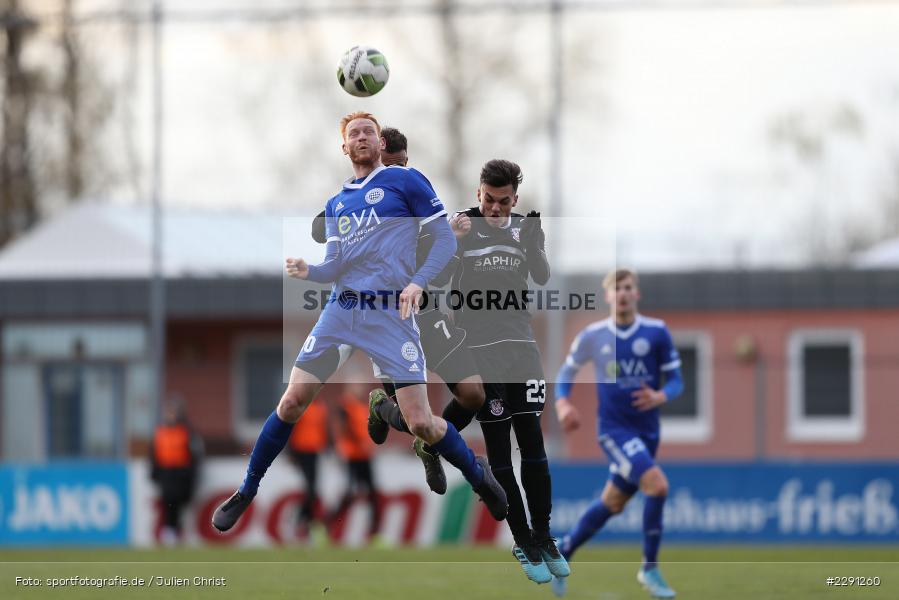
{"points": [[536, 390]]}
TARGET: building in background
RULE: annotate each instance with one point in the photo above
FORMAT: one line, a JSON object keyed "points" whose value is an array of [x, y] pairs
{"points": [[778, 364]]}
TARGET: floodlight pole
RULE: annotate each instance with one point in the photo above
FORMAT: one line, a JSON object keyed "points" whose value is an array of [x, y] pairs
{"points": [[157, 278], [555, 321]]}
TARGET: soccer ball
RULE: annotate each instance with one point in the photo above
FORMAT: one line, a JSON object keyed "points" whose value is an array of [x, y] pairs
{"points": [[362, 71]]}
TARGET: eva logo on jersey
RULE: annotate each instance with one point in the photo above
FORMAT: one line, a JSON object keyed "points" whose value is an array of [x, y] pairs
{"points": [[359, 223], [630, 372]]}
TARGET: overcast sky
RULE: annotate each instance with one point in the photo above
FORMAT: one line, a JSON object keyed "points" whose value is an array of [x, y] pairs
{"points": [[667, 136]]}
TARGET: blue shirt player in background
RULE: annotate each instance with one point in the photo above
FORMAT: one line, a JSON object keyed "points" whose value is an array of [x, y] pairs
{"points": [[372, 228], [637, 371]]}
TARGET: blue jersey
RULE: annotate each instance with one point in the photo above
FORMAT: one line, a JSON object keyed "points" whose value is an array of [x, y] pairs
{"points": [[376, 222], [625, 360]]}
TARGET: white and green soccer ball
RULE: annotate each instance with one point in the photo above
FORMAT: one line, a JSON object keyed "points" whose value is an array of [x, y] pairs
{"points": [[362, 71]]}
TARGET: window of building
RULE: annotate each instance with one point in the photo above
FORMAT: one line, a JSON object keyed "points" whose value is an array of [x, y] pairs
{"points": [[688, 418], [824, 386], [75, 385], [258, 383]]}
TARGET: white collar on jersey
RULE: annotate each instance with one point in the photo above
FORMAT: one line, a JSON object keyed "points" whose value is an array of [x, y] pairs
{"points": [[349, 185], [627, 332]]}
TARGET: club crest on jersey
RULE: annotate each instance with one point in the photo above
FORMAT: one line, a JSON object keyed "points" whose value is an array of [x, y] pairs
{"points": [[516, 233], [374, 195], [496, 407], [409, 351], [640, 347]]}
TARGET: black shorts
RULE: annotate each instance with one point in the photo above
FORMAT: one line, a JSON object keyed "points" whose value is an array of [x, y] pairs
{"points": [[444, 348], [513, 379]]}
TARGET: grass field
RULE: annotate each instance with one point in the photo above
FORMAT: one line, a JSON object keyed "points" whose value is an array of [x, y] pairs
{"points": [[460, 573]]}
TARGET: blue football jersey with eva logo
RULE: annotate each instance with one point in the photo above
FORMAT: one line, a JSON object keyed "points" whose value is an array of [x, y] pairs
{"points": [[377, 217], [624, 360]]}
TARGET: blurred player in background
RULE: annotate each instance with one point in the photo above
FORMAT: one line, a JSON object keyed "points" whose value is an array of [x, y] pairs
{"points": [[308, 440], [355, 448], [498, 251], [443, 346], [631, 354], [372, 225], [175, 455]]}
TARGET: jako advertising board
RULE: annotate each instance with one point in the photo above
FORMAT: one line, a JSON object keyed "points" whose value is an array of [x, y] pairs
{"points": [[64, 503]]}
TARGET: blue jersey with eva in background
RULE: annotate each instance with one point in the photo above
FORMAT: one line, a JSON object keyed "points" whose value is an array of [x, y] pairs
{"points": [[624, 359], [376, 222]]}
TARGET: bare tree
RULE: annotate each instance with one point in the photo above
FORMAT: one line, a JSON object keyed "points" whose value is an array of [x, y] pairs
{"points": [[828, 238], [71, 93], [53, 124], [18, 197]]}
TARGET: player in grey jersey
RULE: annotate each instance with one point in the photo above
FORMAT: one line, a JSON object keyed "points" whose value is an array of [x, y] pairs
{"points": [[497, 253]]}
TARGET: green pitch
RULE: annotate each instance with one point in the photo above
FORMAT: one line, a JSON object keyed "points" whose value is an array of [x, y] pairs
{"points": [[458, 573]]}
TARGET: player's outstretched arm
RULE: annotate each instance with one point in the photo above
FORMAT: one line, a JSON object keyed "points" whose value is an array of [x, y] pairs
{"points": [[674, 384], [568, 415], [441, 253], [296, 268], [326, 271]]}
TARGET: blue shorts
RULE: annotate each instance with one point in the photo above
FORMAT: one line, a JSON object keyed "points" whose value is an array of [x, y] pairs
{"points": [[630, 455], [392, 343]]}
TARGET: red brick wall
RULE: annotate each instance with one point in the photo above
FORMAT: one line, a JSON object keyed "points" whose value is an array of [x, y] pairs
{"points": [[200, 356]]}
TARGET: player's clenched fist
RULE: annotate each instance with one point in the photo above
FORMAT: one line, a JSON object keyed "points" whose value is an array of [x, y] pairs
{"points": [[461, 225], [569, 417], [297, 268]]}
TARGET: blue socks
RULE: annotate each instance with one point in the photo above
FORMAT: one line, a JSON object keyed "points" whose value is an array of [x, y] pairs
{"points": [[590, 522], [596, 516], [271, 441], [454, 449], [652, 530]]}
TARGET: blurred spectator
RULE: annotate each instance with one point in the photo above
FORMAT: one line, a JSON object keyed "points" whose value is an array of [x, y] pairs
{"points": [[308, 440], [355, 447], [175, 455]]}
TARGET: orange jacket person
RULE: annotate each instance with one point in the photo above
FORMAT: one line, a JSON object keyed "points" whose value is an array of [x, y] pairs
{"points": [[355, 447], [308, 439], [175, 454]]}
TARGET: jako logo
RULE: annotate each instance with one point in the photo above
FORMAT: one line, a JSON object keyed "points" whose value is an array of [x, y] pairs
{"points": [[65, 508]]}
